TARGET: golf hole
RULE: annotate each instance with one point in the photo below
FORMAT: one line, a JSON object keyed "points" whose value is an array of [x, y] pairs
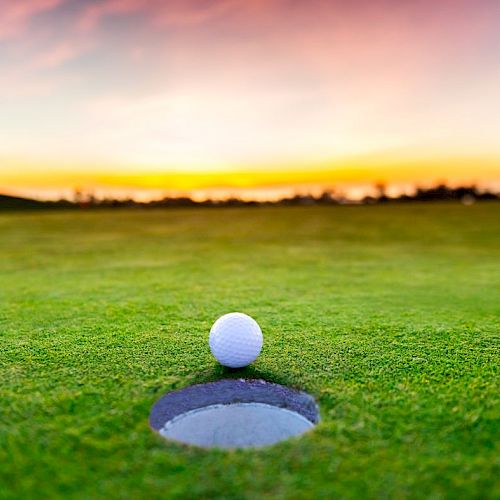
{"points": [[234, 414]]}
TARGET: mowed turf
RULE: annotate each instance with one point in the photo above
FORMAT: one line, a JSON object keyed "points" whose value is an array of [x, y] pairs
{"points": [[388, 315]]}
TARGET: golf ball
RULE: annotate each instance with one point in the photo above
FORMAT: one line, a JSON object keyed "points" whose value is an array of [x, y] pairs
{"points": [[235, 340]]}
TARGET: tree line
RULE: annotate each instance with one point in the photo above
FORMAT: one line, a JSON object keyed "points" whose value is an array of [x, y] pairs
{"points": [[464, 194]]}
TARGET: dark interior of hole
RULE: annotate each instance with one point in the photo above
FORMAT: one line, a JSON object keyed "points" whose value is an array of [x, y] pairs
{"points": [[231, 391]]}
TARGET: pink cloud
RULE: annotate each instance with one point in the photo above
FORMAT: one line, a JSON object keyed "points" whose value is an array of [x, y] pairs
{"points": [[192, 12], [173, 12], [16, 15], [92, 14], [59, 54], [19, 84]]}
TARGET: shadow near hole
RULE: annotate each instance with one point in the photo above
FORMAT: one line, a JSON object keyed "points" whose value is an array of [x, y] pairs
{"points": [[219, 372]]}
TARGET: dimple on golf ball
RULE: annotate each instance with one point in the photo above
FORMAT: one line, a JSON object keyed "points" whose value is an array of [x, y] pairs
{"points": [[235, 340]]}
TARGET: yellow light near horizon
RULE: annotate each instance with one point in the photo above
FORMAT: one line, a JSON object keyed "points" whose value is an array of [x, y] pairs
{"points": [[360, 170]]}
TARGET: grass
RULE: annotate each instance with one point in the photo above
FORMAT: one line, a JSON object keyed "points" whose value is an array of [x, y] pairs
{"points": [[389, 315]]}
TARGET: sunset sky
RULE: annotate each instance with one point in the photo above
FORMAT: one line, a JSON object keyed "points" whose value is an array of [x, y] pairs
{"points": [[143, 97]]}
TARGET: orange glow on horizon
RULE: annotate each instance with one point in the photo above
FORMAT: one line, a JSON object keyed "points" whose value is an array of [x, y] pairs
{"points": [[278, 180], [460, 169]]}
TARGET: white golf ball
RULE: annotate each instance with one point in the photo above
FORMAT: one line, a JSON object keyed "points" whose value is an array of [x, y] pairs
{"points": [[235, 340]]}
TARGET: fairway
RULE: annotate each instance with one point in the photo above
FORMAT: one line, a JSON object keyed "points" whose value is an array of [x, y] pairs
{"points": [[389, 315]]}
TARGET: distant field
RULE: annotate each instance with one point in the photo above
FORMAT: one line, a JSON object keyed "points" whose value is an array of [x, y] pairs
{"points": [[389, 315]]}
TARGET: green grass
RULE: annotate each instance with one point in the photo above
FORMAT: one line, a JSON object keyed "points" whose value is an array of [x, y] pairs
{"points": [[389, 315]]}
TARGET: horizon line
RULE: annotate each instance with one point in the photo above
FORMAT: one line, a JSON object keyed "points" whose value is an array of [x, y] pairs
{"points": [[346, 191]]}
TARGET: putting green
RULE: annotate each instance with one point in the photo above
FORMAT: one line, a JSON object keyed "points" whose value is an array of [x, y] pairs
{"points": [[388, 315]]}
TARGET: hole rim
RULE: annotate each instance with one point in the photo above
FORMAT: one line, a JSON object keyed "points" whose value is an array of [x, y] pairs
{"points": [[176, 403]]}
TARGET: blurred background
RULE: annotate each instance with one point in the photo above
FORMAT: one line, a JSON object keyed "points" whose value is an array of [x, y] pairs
{"points": [[248, 100]]}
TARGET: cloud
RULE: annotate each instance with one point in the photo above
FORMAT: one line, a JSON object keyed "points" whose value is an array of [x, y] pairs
{"points": [[182, 13], [59, 54], [159, 12], [16, 15], [18, 86], [92, 14]]}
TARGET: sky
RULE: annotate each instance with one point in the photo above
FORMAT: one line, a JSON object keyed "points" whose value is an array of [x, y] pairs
{"points": [[140, 97]]}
